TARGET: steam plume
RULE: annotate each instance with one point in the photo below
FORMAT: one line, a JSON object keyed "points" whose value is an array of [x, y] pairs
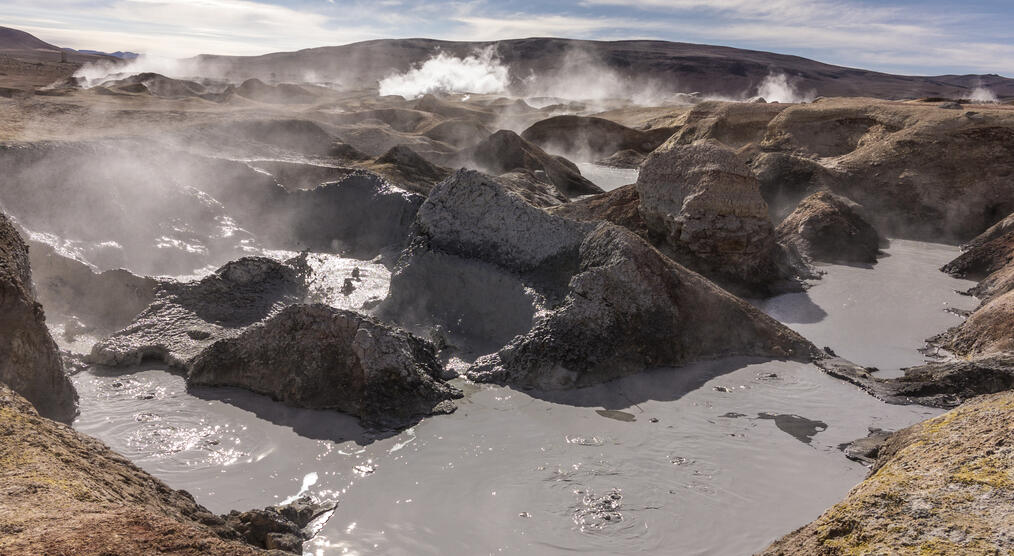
{"points": [[481, 72]]}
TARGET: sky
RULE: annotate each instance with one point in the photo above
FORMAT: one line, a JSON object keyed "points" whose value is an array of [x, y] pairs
{"points": [[919, 37]]}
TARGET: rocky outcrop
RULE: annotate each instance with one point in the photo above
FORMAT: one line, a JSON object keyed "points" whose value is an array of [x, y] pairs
{"points": [[505, 151], [704, 205], [186, 318], [592, 138], [596, 301], [359, 216], [278, 528], [247, 325], [830, 228], [989, 258], [66, 493], [621, 206], [29, 359], [325, 358], [404, 166], [944, 486]]}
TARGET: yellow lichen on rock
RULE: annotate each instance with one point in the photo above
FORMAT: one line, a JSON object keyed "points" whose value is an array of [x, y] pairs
{"points": [[944, 486]]}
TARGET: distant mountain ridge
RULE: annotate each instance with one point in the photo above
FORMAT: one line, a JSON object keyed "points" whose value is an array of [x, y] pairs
{"points": [[686, 67], [15, 39], [679, 67]]}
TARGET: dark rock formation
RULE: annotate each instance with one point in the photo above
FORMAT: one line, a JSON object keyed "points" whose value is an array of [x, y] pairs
{"points": [[505, 151], [942, 486], [865, 450], [188, 317], [620, 206], [29, 360], [939, 384], [247, 325], [590, 302], [592, 138], [360, 216], [830, 228], [704, 205], [988, 258], [66, 493], [282, 528], [404, 166], [325, 358]]}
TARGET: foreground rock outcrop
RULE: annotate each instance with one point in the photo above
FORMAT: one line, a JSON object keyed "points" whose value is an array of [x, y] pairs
{"points": [[29, 359], [65, 493], [830, 228], [944, 486], [705, 205], [585, 302], [247, 325], [325, 358]]}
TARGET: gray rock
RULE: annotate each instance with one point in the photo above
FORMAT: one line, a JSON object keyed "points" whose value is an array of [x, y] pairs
{"points": [[590, 302], [185, 318], [866, 450], [830, 228], [325, 358], [29, 359]]}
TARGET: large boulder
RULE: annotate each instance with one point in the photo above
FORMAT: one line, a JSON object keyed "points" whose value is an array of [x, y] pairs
{"points": [[325, 358], [830, 228], [248, 325], [505, 151], [705, 205], [29, 360], [584, 302], [943, 486]]}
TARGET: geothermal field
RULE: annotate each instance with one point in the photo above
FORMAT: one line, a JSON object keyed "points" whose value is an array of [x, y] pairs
{"points": [[537, 296]]}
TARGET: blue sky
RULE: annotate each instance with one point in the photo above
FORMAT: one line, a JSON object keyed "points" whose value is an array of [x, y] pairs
{"points": [[903, 36]]}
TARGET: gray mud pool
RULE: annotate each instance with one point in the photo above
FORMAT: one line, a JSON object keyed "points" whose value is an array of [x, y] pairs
{"points": [[716, 458]]}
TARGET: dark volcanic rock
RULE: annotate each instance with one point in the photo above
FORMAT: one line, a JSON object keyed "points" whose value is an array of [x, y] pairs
{"points": [[247, 325], [704, 205], [595, 301], [505, 151], [29, 360], [404, 166], [829, 228], [278, 527], [325, 358], [937, 384], [359, 216], [865, 450], [188, 317], [592, 138], [989, 258], [620, 206]]}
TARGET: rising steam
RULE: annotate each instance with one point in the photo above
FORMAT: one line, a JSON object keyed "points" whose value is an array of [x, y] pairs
{"points": [[984, 95], [481, 73], [778, 88], [96, 73]]}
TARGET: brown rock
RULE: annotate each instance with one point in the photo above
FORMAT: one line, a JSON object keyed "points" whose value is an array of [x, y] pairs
{"points": [[29, 359], [830, 228]]}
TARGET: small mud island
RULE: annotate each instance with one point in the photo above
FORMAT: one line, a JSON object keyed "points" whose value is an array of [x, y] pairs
{"points": [[278, 304]]}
